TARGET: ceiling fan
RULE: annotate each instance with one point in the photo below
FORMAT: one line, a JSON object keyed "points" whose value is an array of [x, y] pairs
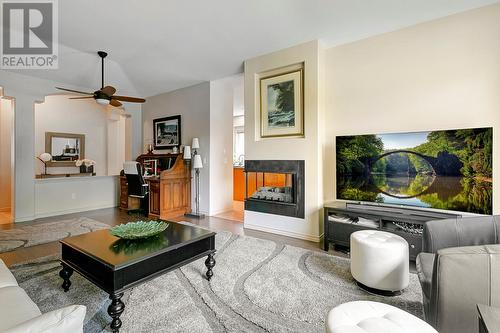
{"points": [[105, 95]]}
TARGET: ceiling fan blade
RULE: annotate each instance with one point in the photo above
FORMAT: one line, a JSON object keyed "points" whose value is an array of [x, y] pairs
{"points": [[114, 102], [75, 91], [108, 90], [128, 99], [81, 97]]}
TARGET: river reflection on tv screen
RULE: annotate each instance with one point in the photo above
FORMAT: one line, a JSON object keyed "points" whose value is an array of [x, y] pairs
{"points": [[449, 169]]}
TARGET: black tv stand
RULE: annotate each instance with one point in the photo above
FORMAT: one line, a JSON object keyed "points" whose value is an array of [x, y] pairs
{"points": [[341, 219]]}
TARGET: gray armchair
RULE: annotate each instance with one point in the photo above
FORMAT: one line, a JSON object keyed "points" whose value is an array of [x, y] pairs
{"points": [[459, 267]]}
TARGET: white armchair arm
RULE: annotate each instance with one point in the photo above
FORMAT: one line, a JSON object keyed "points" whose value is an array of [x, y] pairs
{"points": [[66, 320]]}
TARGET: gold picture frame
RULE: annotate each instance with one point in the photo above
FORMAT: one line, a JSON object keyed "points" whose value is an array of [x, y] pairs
{"points": [[282, 103]]}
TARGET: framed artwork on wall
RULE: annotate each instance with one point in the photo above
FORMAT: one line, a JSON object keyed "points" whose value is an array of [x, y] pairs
{"points": [[167, 132], [282, 104]]}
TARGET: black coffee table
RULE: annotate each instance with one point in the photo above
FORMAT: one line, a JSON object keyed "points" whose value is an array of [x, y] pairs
{"points": [[115, 265]]}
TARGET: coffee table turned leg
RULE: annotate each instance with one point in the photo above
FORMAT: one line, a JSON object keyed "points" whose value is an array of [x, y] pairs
{"points": [[210, 263], [65, 274], [115, 309]]}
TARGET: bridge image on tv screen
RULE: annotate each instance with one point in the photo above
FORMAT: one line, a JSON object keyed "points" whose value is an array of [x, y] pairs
{"points": [[437, 169]]}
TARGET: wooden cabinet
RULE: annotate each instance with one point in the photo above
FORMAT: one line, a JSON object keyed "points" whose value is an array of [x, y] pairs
{"points": [[123, 192], [154, 197], [238, 184]]}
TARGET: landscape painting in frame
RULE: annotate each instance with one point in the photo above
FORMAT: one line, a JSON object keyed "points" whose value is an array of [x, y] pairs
{"points": [[449, 170], [167, 132], [281, 104]]}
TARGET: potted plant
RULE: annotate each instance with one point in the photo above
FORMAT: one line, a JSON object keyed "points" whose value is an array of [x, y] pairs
{"points": [[86, 165]]}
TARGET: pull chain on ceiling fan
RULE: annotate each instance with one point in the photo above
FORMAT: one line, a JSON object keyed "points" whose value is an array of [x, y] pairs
{"points": [[105, 95]]}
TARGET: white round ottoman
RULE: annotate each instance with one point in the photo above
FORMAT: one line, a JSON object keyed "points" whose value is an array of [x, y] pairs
{"points": [[380, 261], [373, 317]]}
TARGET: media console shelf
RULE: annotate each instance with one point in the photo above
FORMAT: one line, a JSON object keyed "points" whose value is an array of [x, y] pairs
{"points": [[342, 219]]}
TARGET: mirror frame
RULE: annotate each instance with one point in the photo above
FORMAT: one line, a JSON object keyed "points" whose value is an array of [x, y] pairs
{"points": [[48, 147]]}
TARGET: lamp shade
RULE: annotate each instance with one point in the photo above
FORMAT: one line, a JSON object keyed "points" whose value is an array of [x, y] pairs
{"points": [[196, 143], [45, 157], [187, 153], [197, 162], [102, 101]]}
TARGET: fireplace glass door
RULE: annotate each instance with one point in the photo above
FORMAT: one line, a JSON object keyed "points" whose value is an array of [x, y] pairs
{"points": [[270, 186]]}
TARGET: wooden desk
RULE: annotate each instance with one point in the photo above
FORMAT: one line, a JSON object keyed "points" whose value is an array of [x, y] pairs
{"points": [[169, 193]]}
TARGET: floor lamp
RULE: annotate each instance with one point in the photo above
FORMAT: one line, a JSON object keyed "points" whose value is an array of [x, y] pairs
{"points": [[197, 165]]}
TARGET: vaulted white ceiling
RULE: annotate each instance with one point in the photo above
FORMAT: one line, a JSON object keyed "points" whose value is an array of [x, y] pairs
{"points": [[157, 46]]}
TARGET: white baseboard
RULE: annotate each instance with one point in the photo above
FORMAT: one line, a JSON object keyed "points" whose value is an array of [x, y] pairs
{"points": [[75, 210], [312, 238], [221, 211], [24, 218]]}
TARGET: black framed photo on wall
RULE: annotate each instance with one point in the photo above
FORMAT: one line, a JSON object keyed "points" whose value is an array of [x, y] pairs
{"points": [[167, 132]]}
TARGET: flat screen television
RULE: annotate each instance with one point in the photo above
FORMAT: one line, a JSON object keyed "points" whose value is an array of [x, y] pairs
{"points": [[448, 170]]}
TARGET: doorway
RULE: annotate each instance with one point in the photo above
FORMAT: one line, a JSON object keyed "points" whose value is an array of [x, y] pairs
{"points": [[6, 159], [238, 166], [227, 147]]}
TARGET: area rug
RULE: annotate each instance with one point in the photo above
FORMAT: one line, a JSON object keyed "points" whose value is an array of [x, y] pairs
{"points": [[35, 234], [258, 286]]}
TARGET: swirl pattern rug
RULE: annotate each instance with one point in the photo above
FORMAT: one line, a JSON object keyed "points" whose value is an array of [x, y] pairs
{"points": [[35, 234], [258, 286]]}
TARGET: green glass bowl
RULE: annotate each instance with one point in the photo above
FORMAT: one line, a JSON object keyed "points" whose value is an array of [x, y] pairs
{"points": [[139, 229]]}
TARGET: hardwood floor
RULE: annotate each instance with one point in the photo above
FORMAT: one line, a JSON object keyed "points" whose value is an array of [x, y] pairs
{"points": [[114, 216], [236, 214]]}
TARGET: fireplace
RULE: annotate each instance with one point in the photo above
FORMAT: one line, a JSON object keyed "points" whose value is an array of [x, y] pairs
{"points": [[275, 187]]}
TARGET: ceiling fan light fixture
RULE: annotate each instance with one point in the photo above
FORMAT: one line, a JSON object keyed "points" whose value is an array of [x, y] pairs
{"points": [[102, 101], [106, 95]]}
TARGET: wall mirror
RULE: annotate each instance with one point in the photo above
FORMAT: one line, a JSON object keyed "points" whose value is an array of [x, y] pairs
{"points": [[65, 148]]}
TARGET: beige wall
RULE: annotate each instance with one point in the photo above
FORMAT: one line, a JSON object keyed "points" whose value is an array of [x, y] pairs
{"points": [[309, 148], [442, 74], [193, 104]]}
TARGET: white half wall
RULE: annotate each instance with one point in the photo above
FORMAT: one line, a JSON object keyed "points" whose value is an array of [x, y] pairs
{"points": [[57, 196]]}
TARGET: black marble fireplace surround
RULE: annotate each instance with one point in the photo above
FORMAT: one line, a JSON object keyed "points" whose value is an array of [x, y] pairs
{"points": [[295, 168]]}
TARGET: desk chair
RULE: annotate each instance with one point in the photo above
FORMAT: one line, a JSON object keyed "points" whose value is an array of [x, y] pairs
{"points": [[137, 186]]}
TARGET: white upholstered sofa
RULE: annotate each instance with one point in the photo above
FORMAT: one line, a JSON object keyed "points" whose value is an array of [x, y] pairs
{"points": [[18, 313]]}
